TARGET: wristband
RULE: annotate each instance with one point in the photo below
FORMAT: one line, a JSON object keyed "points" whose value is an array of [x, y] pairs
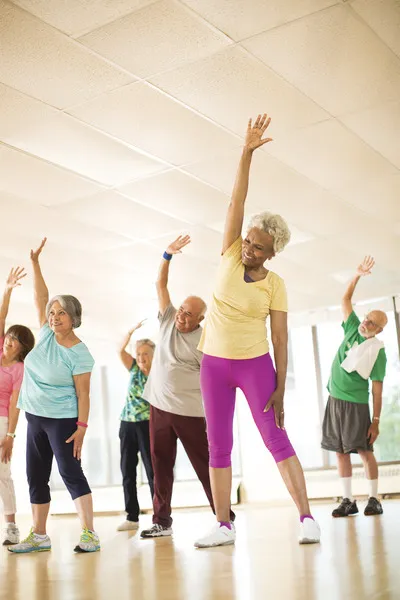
{"points": [[377, 419], [167, 256], [11, 435], [81, 424]]}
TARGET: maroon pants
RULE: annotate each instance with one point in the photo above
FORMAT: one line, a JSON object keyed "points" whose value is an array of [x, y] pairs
{"points": [[165, 429]]}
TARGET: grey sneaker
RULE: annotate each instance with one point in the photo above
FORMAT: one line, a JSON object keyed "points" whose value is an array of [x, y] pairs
{"points": [[156, 531], [345, 508], [11, 535], [374, 507]]}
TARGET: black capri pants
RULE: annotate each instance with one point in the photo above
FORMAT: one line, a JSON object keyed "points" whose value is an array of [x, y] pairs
{"points": [[45, 439]]}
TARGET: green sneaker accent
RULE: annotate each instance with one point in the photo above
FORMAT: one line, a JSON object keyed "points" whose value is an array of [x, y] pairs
{"points": [[89, 542], [31, 544]]}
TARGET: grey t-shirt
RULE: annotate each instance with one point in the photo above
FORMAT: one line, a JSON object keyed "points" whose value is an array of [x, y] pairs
{"points": [[174, 381]]}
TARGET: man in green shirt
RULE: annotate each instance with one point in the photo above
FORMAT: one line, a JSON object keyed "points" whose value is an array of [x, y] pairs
{"points": [[347, 426]]}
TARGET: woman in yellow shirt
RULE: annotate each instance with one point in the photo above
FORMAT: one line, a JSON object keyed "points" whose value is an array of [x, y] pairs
{"points": [[236, 351]]}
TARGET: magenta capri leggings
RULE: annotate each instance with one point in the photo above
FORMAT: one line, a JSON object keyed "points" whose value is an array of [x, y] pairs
{"points": [[256, 378]]}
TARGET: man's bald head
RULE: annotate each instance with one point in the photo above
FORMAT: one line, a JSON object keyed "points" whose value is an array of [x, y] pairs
{"points": [[190, 314]]}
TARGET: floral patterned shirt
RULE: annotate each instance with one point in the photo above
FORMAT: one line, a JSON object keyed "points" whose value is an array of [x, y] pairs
{"points": [[136, 408]]}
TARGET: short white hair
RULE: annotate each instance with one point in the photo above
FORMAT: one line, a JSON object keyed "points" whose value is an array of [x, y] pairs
{"points": [[275, 225]]}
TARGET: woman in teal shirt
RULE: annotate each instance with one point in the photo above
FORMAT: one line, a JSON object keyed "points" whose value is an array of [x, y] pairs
{"points": [[55, 397], [134, 429]]}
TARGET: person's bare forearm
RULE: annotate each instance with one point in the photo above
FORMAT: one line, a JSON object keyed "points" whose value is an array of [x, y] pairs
{"points": [[281, 361]]}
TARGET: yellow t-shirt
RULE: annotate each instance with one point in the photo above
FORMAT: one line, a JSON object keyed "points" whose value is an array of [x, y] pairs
{"points": [[235, 325]]}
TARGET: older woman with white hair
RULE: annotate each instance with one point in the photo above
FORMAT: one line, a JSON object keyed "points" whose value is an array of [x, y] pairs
{"points": [[236, 351], [134, 431], [55, 398]]}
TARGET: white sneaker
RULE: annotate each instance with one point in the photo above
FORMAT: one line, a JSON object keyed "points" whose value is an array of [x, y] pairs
{"points": [[310, 532], [89, 542], [218, 536], [32, 543], [11, 535], [128, 526]]}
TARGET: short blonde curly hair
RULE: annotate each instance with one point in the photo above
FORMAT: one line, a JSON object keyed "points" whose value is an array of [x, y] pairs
{"points": [[275, 225]]}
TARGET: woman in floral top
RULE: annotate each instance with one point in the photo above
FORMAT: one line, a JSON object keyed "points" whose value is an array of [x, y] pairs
{"points": [[134, 429]]}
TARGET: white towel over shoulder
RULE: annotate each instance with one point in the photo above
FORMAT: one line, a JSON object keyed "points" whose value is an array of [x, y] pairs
{"points": [[362, 357]]}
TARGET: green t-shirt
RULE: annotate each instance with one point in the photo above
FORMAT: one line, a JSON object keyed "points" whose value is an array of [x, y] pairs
{"points": [[351, 386], [136, 408]]}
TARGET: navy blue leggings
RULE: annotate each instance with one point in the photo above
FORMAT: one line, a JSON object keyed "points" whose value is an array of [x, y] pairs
{"points": [[45, 439]]}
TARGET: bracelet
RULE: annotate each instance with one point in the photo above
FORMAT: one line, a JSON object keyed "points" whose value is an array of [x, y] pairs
{"points": [[11, 435], [376, 419], [81, 424], [167, 256]]}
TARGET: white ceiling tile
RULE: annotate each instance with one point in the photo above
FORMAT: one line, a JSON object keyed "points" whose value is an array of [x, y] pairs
{"points": [[141, 257], [383, 16], [178, 194], [42, 62], [38, 181], [162, 36], [37, 128], [336, 159], [276, 187], [375, 240], [36, 222], [334, 58], [323, 257], [232, 86], [165, 129], [379, 127], [113, 212], [241, 19], [75, 17]]}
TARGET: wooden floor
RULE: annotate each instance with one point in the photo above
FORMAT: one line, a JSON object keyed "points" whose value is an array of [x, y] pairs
{"points": [[358, 559]]}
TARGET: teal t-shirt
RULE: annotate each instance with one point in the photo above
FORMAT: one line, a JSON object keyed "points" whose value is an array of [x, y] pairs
{"points": [[136, 407], [48, 388], [351, 386]]}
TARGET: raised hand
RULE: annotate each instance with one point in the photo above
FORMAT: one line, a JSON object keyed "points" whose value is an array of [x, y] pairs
{"points": [[255, 132], [366, 266], [36, 253], [14, 278], [137, 326], [180, 242]]}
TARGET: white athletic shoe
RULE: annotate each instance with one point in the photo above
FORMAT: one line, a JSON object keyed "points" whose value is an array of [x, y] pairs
{"points": [[128, 526], [89, 542], [310, 532], [32, 543], [11, 535], [218, 536]]}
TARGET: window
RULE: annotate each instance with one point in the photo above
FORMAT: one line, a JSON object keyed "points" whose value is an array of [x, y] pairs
{"points": [[302, 417]]}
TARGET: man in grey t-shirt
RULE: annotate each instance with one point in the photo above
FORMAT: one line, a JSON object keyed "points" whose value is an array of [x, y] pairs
{"points": [[173, 390]]}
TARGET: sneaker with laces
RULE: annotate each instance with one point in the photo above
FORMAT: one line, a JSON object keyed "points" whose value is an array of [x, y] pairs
{"points": [[128, 526], [345, 508], [220, 535], [11, 535], [374, 507], [310, 532], [156, 531], [89, 542], [32, 543]]}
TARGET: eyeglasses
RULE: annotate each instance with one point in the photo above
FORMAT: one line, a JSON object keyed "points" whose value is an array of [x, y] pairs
{"points": [[368, 322]]}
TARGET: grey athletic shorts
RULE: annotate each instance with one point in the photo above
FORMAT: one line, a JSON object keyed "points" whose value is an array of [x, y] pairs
{"points": [[345, 426]]}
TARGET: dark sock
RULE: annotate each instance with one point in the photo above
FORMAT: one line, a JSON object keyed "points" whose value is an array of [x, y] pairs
{"points": [[306, 517], [225, 524]]}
